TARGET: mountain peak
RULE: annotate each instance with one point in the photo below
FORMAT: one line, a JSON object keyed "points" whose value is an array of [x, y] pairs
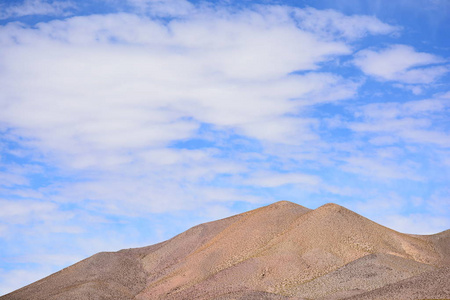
{"points": [[284, 204], [331, 206], [333, 209]]}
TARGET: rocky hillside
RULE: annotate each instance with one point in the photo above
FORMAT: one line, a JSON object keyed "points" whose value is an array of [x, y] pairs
{"points": [[281, 251]]}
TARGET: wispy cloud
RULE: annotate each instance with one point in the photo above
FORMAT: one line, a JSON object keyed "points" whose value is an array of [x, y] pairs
{"points": [[277, 179], [164, 8], [411, 121], [401, 63], [334, 24], [37, 7]]}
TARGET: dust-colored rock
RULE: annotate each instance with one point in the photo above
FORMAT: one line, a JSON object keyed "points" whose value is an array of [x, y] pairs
{"points": [[281, 251]]}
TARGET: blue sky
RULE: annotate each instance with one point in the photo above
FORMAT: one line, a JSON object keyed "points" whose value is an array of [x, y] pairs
{"points": [[123, 123]]}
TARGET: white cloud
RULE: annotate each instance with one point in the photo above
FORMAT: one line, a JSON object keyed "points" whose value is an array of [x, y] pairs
{"points": [[398, 134], [22, 211], [135, 84], [36, 7], [439, 202], [7, 179], [283, 130], [415, 223], [48, 258], [216, 212], [157, 180], [16, 175], [265, 179], [411, 121], [379, 167], [343, 190], [383, 140], [401, 63], [333, 23], [154, 193], [3, 230], [385, 203], [163, 8], [393, 210]]}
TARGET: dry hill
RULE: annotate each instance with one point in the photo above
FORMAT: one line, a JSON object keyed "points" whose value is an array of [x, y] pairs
{"points": [[281, 251]]}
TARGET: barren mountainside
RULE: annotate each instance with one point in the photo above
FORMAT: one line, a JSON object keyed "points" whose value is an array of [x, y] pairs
{"points": [[281, 251]]}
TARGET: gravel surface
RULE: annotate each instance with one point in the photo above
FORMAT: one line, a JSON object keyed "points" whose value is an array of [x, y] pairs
{"points": [[281, 251]]}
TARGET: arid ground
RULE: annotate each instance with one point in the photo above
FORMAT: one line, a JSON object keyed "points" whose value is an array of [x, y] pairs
{"points": [[280, 251]]}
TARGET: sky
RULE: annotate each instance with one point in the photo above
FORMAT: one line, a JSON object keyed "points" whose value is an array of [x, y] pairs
{"points": [[124, 123]]}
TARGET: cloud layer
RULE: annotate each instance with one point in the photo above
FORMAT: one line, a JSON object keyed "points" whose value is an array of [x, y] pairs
{"points": [[401, 63]]}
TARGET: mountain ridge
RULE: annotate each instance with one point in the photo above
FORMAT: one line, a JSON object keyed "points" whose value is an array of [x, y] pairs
{"points": [[280, 251]]}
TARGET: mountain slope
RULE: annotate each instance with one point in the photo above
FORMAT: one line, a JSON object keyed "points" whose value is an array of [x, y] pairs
{"points": [[368, 272], [428, 285], [281, 251], [102, 276]]}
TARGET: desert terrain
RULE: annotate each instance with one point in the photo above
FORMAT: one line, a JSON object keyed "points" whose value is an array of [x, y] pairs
{"points": [[280, 251]]}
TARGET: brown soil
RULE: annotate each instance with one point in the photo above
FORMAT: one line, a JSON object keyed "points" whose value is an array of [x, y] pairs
{"points": [[281, 251]]}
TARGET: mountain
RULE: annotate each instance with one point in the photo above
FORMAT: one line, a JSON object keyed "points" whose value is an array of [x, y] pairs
{"points": [[280, 251]]}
